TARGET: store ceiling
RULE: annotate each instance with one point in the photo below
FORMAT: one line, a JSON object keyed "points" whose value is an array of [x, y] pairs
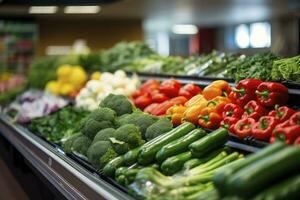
{"points": [[201, 12]]}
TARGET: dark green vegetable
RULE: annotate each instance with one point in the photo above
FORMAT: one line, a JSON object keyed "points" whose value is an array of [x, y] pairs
{"points": [[119, 103], [148, 152], [131, 156], [174, 164], [224, 174], [140, 119], [209, 143], [104, 135], [180, 145], [127, 137], [98, 120], [81, 144], [264, 172], [161, 126], [67, 145], [112, 166], [287, 189], [100, 153]]}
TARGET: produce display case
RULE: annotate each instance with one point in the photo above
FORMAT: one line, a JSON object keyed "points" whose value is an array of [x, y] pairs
{"points": [[73, 176]]}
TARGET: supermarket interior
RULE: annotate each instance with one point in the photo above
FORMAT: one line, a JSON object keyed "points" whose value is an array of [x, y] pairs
{"points": [[150, 99]]}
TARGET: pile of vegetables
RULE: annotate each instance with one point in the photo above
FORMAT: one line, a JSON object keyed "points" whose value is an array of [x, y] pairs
{"points": [[100, 87], [156, 98], [34, 104], [59, 126], [114, 128], [70, 79], [179, 163], [272, 173]]}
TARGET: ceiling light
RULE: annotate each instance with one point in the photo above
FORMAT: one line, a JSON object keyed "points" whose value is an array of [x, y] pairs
{"points": [[185, 29], [42, 9], [82, 9]]}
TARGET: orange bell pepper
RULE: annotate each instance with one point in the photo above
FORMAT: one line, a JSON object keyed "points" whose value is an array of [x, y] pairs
{"points": [[209, 119], [218, 103], [195, 100], [216, 88], [191, 114], [176, 113]]}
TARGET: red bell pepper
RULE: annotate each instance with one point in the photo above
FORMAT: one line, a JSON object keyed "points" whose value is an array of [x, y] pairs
{"points": [[243, 127], [209, 119], [254, 110], [151, 107], [297, 141], [282, 113], [287, 134], [158, 97], [244, 91], [228, 123], [189, 90], [162, 108], [270, 93], [232, 110], [170, 87], [142, 101], [295, 118], [149, 86], [136, 94], [262, 130]]}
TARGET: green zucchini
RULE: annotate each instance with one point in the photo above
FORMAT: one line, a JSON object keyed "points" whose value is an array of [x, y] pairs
{"points": [[192, 163], [131, 156], [110, 168], [209, 143], [222, 175], [257, 176], [180, 145], [174, 164], [147, 154], [287, 189], [120, 171]]}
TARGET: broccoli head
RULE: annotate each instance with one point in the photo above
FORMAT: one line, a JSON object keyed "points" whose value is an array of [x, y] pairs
{"points": [[100, 153], [67, 145], [118, 103], [163, 125], [127, 137], [140, 119], [81, 144], [104, 135], [101, 118]]}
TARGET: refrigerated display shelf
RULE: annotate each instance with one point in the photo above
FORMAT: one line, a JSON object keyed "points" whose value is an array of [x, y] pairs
{"points": [[70, 178]]}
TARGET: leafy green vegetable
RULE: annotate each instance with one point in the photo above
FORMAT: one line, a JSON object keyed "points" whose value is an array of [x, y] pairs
{"points": [[61, 125], [286, 69], [258, 66]]}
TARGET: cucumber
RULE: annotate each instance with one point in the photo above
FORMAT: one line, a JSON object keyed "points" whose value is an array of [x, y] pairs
{"points": [[209, 143], [175, 163], [222, 175], [120, 171], [148, 152], [257, 176], [192, 163], [180, 145], [110, 168], [131, 156], [287, 189]]}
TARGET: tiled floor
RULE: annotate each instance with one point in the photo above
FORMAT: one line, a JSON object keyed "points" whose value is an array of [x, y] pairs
{"points": [[9, 187]]}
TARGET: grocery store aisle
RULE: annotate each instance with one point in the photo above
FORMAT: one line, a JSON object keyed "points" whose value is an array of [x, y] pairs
{"points": [[9, 187]]}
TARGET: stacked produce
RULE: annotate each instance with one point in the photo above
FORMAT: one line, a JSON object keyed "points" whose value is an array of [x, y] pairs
{"points": [[100, 87], [70, 79], [156, 98], [113, 129], [10, 86], [59, 126], [272, 173], [34, 104]]}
